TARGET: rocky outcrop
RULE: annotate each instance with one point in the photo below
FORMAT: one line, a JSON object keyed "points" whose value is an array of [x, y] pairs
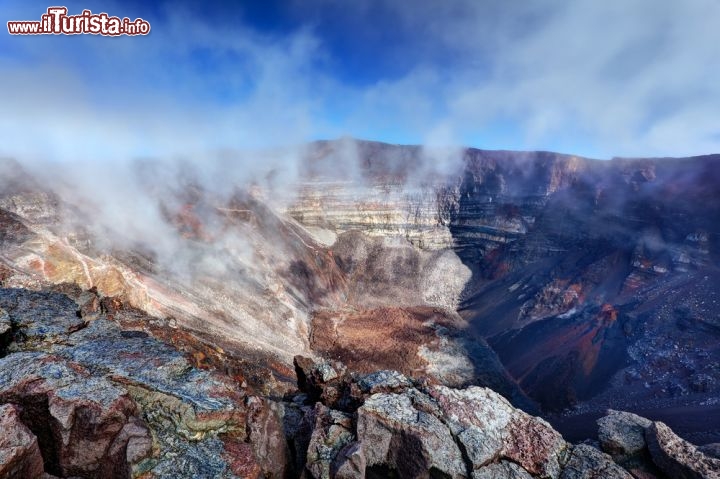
{"points": [[646, 447], [622, 435], [80, 420], [101, 401], [489, 428], [387, 425], [97, 401], [20, 456], [586, 462], [677, 457]]}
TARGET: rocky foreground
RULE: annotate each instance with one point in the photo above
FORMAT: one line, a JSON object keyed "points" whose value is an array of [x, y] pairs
{"points": [[85, 392]]}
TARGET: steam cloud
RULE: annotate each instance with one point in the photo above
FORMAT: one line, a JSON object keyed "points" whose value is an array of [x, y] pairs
{"points": [[229, 104]]}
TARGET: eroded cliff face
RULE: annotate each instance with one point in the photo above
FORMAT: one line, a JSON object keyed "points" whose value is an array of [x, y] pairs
{"points": [[247, 280], [237, 286], [594, 281], [561, 282]]}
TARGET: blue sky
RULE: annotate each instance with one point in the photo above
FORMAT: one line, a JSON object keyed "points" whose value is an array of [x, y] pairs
{"points": [[596, 78]]}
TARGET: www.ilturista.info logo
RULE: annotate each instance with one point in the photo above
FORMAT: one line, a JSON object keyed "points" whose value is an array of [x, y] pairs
{"points": [[57, 22]]}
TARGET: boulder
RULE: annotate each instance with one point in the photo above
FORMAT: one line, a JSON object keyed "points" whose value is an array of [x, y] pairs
{"points": [[78, 419], [332, 432], [385, 381], [586, 462], [678, 458], [622, 435], [266, 435], [20, 456], [400, 437], [489, 428], [501, 470]]}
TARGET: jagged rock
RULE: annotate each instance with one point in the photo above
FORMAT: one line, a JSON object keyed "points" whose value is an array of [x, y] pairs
{"points": [[678, 458], [328, 383], [105, 402], [20, 456], [384, 381], [398, 436], [332, 432], [152, 413], [501, 470], [77, 418], [311, 376], [586, 462], [622, 435], [489, 427], [266, 436], [40, 316], [350, 463]]}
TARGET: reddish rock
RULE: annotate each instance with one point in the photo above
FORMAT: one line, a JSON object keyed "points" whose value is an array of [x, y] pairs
{"points": [[267, 436], [534, 445], [79, 419], [489, 427], [350, 463], [20, 456], [241, 459]]}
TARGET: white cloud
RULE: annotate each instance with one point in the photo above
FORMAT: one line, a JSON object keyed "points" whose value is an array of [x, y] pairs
{"points": [[632, 77]]}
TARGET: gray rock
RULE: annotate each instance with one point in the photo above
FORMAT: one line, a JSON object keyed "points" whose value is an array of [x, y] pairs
{"points": [[84, 415], [403, 438], [586, 462], [489, 427], [501, 470], [622, 435], [332, 432], [384, 381], [676, 457], [104, 349], [40, 315]]}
